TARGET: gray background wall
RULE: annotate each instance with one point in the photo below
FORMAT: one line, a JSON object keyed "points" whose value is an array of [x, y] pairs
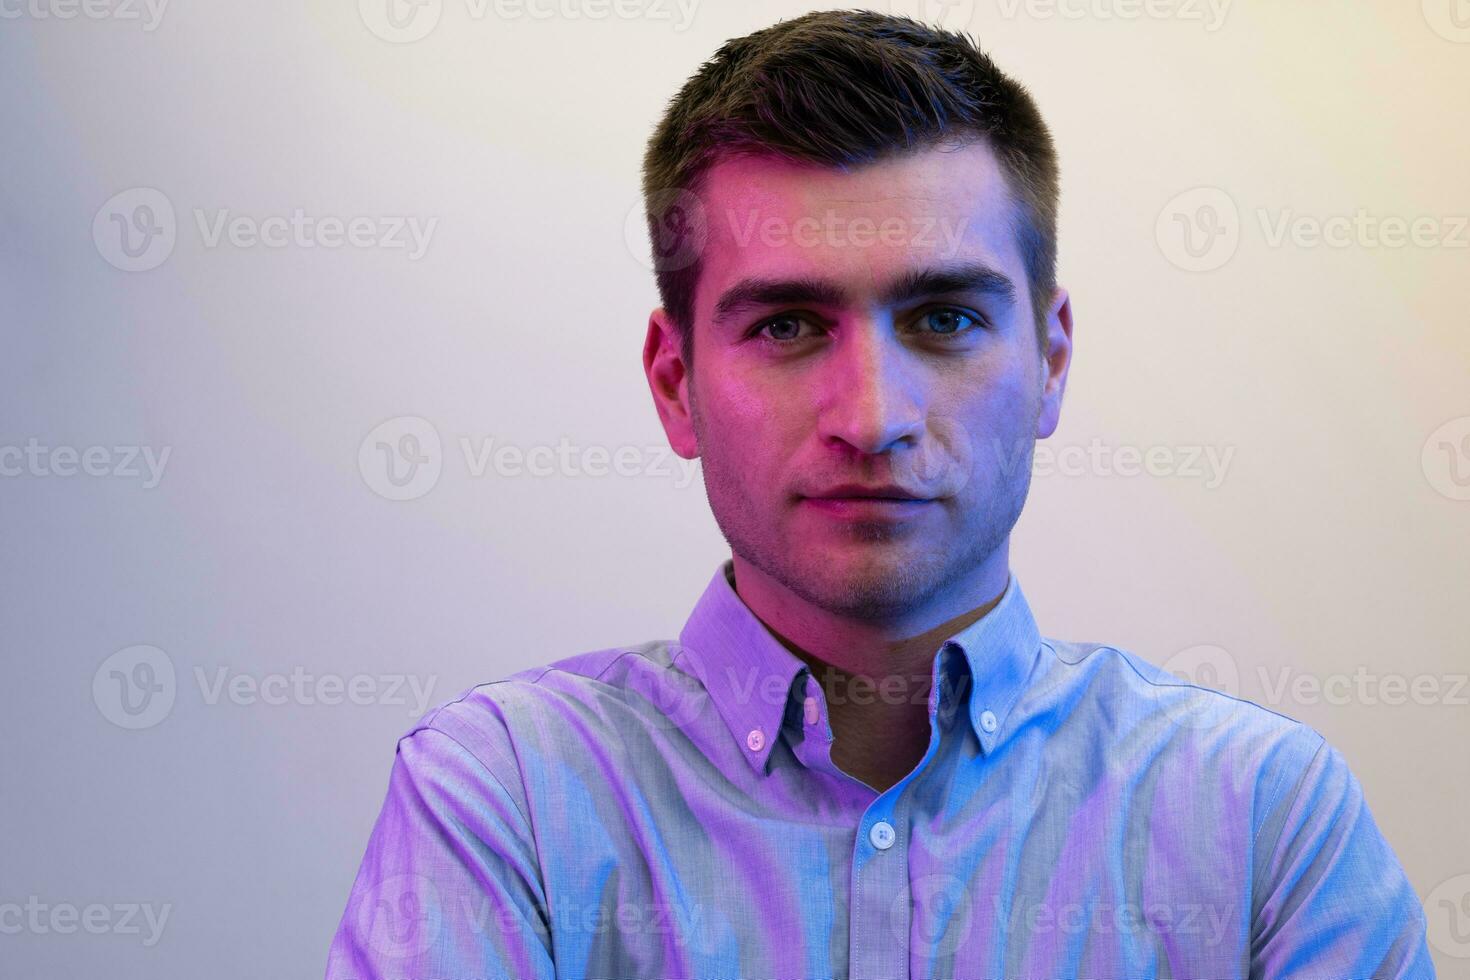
{"points": [[207, 664]]}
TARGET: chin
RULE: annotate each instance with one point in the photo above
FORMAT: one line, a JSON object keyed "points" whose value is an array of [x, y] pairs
{"points": [[869, 582]]}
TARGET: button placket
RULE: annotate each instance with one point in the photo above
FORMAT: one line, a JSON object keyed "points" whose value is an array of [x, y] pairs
{"points": [[880, 917], [881, 912]]}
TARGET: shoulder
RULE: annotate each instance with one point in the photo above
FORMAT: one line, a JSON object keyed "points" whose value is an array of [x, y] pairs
{"points": [[1193, 716], [588, 695], [1201, 687]]}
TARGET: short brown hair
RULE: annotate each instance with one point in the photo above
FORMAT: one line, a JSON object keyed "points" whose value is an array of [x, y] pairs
{"points": [[844, 87]]}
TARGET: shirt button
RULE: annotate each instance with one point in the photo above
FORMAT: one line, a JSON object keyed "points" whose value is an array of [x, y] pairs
{"points": [[987, 721], [755, 739], [809, 709], [881, 835]]}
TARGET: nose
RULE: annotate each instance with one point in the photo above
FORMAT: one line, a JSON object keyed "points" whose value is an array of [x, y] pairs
{"points": [[872, 402]]}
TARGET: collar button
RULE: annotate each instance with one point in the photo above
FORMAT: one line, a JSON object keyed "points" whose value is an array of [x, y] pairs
{"points": [[809, 710]]}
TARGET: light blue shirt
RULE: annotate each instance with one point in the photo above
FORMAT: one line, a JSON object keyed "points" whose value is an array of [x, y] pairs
{"points": [[672, 810]]}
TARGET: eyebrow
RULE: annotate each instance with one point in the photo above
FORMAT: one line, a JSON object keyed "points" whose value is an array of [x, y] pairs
{"points": [[974, 277]]}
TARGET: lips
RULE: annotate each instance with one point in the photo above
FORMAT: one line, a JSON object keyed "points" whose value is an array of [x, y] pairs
{"points": [[854, 491], [867, 504]]}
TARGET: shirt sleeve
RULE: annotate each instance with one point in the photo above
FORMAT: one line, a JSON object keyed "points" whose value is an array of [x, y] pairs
{"points": [[1332, 900], [450, 885]]}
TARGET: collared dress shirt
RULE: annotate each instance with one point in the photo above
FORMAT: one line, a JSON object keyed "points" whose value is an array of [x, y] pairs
{"points": [[671, 809]]}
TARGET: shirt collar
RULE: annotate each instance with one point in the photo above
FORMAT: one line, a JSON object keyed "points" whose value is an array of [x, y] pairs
{"points": [[1001, 649], [749, 674], [746, 670]]}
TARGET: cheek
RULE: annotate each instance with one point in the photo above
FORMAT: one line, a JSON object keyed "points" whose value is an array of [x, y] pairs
{"points": [[745, 427], [756, 398], [1010, 404], [999, 413], [746, 403]]}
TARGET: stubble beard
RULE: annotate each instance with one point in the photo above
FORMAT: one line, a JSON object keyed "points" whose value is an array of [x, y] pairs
{"points": [[897, 579]]}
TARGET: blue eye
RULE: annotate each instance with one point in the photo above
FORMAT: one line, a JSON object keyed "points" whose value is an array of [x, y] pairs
{"points": [[781, 329], [947, 320], [941, 321]]}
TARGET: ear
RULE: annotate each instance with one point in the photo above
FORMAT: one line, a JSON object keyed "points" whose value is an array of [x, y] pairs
{"points": [[668, 379], [1054, 362]]}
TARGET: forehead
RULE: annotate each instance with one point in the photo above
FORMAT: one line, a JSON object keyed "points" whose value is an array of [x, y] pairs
{"points": [[864, 226]]}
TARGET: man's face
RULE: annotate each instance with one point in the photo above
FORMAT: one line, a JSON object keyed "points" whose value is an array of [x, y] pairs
{"points": [[862, 336]]}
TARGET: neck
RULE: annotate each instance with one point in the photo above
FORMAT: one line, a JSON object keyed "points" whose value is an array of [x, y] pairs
{"points": [[876, 674]]}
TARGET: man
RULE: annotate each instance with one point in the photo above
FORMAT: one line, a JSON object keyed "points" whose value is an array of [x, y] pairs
{"points": [[861, 758]]}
